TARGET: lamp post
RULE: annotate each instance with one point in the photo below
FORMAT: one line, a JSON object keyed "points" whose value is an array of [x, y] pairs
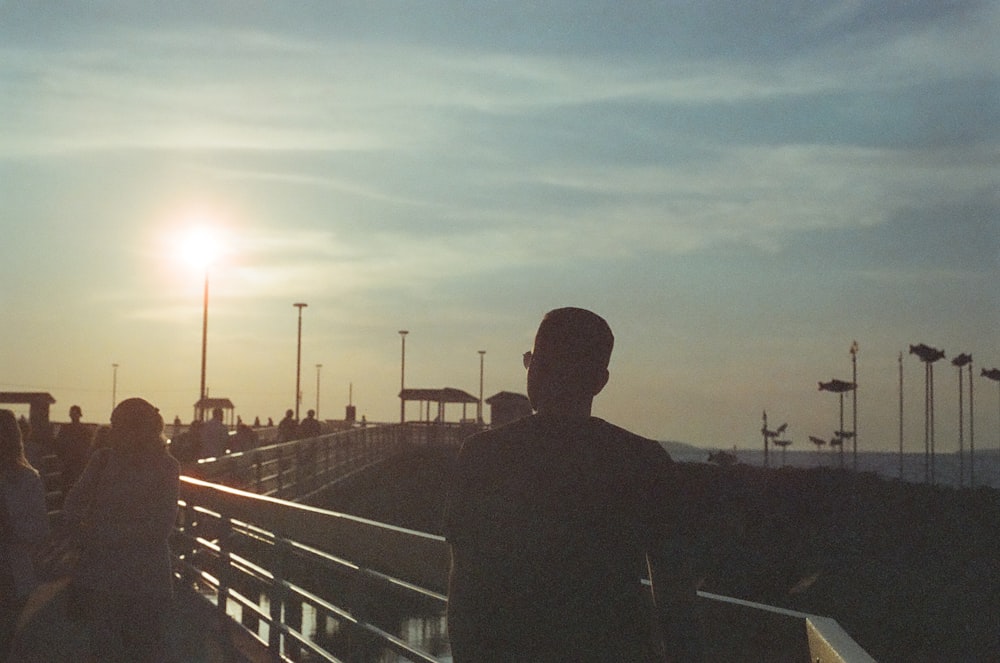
{"points": [[840, 387], [204, 348], [992, 374], [479, 414], [114, 386], [298, 360], [960, 361], [854, 404], [928, 356], [318, 367], [402, 375]]}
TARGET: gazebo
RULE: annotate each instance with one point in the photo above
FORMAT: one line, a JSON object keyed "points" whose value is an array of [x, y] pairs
{"points": [[506, 406], [440, 396], [208, 404], [38, 403]]}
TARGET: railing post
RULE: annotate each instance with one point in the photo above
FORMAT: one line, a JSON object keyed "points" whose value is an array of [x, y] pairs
{"points": [[276, 597]]}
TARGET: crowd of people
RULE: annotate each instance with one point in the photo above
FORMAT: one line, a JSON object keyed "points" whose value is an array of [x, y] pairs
{"points": [[120, 487], [552, 522]]}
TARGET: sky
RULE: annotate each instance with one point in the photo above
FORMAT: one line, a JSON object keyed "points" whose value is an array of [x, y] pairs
{"points": [[741, 189]]}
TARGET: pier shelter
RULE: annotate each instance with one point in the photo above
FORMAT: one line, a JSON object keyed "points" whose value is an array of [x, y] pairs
{"points": [[441, 397], [38, 403], [506, 406], [208, 404]]}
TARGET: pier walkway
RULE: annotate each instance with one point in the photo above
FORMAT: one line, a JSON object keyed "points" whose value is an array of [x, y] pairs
{"points": [[261, 576]]}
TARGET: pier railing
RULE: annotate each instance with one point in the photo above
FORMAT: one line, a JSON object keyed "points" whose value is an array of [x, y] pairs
{"points": [[309, 584]]}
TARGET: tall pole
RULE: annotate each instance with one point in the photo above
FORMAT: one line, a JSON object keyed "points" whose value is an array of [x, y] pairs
{"points": [[402, 375], [959, 362], [204, 348], [900, 416], [318, 367], [114, 386], [972, 434], [479, 413], [298, 360], [854, 403]]}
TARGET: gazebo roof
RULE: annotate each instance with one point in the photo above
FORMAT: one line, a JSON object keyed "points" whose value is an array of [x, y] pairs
{"points": [[446, 395], [212, 403], [42, 397], [505, 396]]}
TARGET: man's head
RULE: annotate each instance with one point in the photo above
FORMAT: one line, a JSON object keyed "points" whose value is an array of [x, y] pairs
{"points": [[569, 361], [217, 413], [75, 413]]}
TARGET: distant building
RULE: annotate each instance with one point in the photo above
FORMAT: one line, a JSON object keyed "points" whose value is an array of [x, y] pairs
{"points": [[506, 406]]}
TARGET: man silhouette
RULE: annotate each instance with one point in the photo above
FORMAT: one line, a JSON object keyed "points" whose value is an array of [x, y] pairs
{"points": [[72, 445], [554, 519]]}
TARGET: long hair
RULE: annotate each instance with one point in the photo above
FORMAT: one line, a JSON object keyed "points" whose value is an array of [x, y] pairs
{"points": [[137, 428], [11, 444]]}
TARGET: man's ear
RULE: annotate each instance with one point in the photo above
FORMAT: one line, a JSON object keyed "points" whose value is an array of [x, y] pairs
{"points": [[600, 380]]}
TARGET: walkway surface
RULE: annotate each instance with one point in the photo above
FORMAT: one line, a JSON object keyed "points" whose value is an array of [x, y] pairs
{"points": [[194, 635]]}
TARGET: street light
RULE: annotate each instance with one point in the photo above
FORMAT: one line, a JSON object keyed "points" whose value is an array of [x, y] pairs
{"points": [[479, 414], [114, 386], [318, 367], [402, 376], [204, 348], [960, 362], [298, 360]]}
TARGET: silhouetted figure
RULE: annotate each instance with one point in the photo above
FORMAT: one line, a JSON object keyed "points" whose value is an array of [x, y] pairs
{"points": [[214, 436], [288, 427], [72, 444], [309, 427], [23, 525], [256, 422], [186, 445], [245, 438], [123, 510], [552, 519]]}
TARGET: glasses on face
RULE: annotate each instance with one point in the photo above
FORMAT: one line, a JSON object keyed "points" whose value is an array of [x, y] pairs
{"points": [[526, 358]]}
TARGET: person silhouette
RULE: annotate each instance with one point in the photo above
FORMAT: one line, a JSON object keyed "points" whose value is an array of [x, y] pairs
{"points": [[309, 427], [122, 510], [72, 445], [214, 436], [23, 525], [553, 520], [288, 428]]}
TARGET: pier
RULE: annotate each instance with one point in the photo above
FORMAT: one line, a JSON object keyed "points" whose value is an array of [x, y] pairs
{"points": [[263, 576]]}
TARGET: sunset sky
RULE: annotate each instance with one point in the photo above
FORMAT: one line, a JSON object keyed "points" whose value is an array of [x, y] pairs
{"points": [[741, 189]]}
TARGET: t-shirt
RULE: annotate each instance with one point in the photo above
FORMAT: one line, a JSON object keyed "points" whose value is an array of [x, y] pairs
{"points": [[549, 522]]}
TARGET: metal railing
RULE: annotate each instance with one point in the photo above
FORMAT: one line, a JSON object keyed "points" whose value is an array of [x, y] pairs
{"points": [[267, 565]]}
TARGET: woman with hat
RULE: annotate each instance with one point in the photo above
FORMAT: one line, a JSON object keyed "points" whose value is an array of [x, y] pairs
{"points": [[123, 509]]}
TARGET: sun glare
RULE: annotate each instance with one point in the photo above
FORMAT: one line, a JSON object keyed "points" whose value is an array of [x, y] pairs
{"points": [[200, 244]]}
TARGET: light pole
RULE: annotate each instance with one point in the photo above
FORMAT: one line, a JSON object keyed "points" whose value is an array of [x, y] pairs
{"points": [[402, 375], [992, 374], [298, 360], [479, 414], [854, 403], [204, 348], [928, 356], [960, 361], [114, 386], [318, 367]]}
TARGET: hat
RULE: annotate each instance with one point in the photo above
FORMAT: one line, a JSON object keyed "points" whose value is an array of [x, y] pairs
{"points": [[133, 411]]}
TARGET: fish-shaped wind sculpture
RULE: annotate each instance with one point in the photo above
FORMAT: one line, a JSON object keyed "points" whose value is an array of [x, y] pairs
{"points": [[993, 374], [837, 386], [961, 360], [926, 352]]}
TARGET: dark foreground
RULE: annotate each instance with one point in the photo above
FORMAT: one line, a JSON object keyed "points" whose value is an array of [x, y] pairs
{"points": [[911, 571]]}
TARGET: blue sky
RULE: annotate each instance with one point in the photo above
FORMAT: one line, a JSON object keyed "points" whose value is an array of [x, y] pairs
{"points": [[741, 189]]}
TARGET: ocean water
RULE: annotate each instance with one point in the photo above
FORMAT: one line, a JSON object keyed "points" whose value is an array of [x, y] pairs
{"points": [[949, 469]]}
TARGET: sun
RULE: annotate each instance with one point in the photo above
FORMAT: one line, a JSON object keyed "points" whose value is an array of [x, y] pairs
{"points": [[199, 243]]}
